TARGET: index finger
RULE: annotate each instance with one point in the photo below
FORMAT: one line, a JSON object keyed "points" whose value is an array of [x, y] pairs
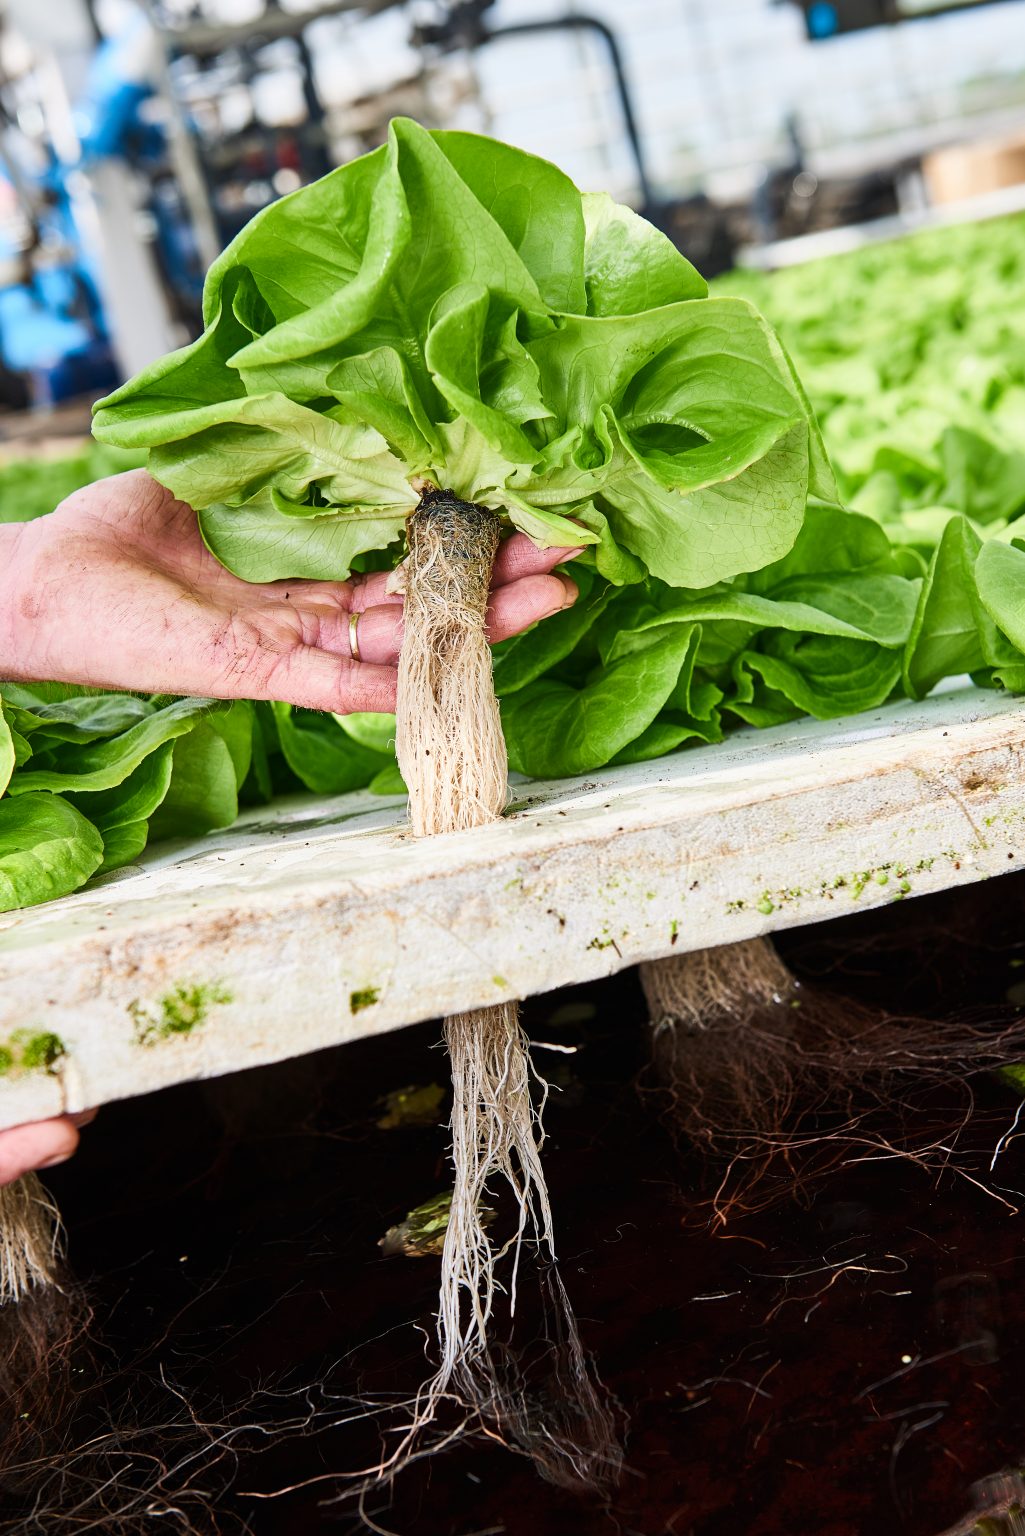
{"points": [[519, 556]]}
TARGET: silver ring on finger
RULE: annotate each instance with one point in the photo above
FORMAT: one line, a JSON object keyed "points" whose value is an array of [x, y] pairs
{"points": [[354, 619]]}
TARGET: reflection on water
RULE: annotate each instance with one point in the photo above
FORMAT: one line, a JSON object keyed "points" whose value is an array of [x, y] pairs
{"points": [[998, 1507]]}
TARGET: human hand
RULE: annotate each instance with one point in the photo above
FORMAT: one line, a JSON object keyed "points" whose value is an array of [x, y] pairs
{"points": [[116, 589], [43, 1144]]}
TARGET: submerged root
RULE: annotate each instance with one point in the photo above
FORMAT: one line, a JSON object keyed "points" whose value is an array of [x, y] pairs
{"points": [[38, 1344], [452, 755], [90, 1441], [551, 1405], [542, 1400], [494, 1131], [30, 1238], [778, 1082]]}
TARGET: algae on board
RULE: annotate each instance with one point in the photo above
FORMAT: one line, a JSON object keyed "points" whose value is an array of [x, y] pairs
{"points": [[178, 1012], [28, 1050], [363, 997]]}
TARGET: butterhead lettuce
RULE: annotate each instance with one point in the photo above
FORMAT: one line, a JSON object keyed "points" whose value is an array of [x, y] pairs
{"points": [[453, 309]]}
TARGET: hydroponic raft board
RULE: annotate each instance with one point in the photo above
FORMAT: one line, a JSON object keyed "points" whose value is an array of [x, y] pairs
{"points": [[316, 921]]}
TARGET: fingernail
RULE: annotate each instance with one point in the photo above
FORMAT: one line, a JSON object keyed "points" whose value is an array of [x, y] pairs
{"points": [[571, 590], [51, 1162], [395, 586], [571, 554]]}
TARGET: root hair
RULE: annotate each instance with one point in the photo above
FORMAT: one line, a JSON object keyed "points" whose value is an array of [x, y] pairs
{"points": [[30, 1239], [778, 1082]]}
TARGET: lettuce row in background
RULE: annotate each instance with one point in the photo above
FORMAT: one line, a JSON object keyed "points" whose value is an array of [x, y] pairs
{"points": [[86, 775], [30, 488], [913, 355], [843, 622]]}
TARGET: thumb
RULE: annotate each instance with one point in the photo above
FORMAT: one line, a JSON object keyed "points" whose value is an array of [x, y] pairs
{"points": [[40, 1144]]}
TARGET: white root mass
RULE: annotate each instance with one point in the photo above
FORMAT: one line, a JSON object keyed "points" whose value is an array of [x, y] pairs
{"points": [[30, 1238], [452, 755], [697, 991], [449, 738]]}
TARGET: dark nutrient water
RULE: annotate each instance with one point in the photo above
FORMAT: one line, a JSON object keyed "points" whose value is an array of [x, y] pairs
{"points": [[848, 1364]]}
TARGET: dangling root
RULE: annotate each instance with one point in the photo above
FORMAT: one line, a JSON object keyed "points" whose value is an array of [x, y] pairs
{"points": [[39, 1342], [30, 1238], [451, 751], [551, 1407], [494, 1130], [778, 1081]]}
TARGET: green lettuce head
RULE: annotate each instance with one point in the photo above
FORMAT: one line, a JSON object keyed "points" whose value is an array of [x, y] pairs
{"points": [[451, 308]]}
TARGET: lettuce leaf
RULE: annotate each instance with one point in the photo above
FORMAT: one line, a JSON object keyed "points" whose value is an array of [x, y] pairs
{"points": [[47, 849]]}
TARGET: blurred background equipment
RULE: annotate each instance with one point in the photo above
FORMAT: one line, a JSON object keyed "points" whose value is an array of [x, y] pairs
{"points": [[138, 136], [831, 18]]}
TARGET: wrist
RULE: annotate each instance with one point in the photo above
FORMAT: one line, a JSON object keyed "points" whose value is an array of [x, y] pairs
{"points": [[15, 658]]}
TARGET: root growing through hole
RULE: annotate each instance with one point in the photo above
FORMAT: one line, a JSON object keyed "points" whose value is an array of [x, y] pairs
{"points": [[30, 1238], [696, 992], [778, 1082], [452, 755]]}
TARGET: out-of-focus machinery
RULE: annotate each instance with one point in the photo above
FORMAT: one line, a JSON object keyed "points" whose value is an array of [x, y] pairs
{"points": [[941, 171], [831, 18], [81, 298], [694, 223]]}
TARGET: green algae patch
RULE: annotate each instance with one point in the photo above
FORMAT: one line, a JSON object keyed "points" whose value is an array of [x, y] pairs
{"points": [[603, 940], [364, 997], [1014, 1077], [29, 1050], [855, 883], [40, 1053], [421, 1234], [416, 1105], [178, 1012]]}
